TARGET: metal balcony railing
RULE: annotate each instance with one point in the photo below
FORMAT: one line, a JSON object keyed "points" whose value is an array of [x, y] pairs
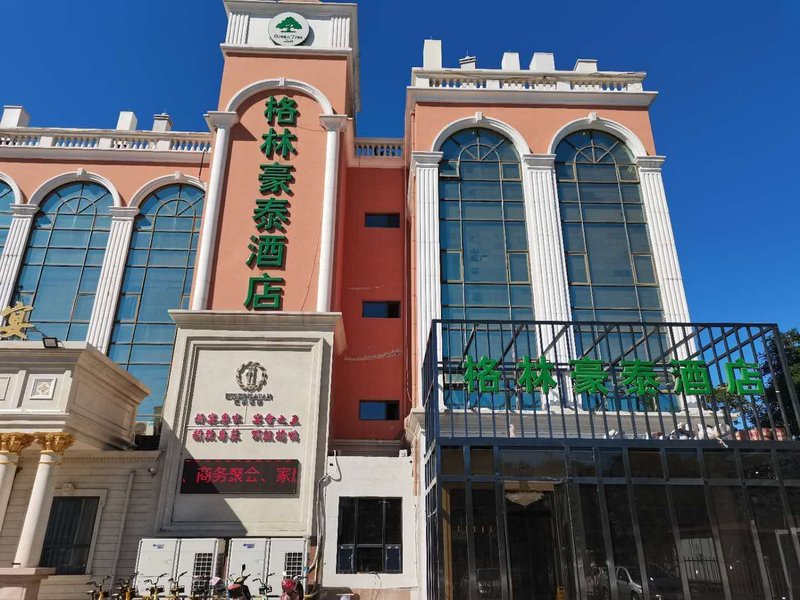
{"points": [[610, 380]]}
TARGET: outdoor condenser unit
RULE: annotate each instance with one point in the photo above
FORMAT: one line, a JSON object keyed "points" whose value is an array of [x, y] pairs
{"points": [[262, 556], [201, 558]]}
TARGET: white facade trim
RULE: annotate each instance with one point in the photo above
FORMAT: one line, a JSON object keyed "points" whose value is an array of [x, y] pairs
{"points": [[15, 190], [425, 166], [545, 240], [223, 121], [593, 121], [333, 125], [14, 251], [101, 323], [662, 240], [280, 83], [481, 120], [79, 176], [151, 186]]}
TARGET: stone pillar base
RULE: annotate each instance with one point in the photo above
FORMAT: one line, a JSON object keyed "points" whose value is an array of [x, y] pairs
{"points": [[22, 583]]}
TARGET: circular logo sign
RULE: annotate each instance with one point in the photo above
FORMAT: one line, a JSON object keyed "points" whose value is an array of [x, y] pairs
{"points": [[289, 29], [251, 377]]}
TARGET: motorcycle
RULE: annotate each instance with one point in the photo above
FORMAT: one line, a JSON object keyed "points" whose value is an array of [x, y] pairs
{"points": [[238, 588], [292, 588]]}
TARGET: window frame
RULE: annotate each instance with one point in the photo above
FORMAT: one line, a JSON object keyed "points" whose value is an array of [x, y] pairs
{"points": [[389, 313], [386, 404], [573, 216], [354, 546], [388, 216], [102, 495]]}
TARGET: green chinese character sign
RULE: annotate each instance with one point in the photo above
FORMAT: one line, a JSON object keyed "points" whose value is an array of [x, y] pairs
{"points": [[271, 215]]}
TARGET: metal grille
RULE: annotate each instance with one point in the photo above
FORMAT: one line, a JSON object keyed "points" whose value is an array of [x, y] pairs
{"points": [[458, 404], [202, 571], [293, 564]]}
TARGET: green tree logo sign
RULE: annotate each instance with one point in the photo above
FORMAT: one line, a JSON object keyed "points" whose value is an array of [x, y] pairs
{"points": [[288, 25]]}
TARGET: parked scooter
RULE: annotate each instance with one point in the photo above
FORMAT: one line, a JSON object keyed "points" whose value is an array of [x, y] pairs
{"points": [[292, 588], [238, 588], [264, 589]]}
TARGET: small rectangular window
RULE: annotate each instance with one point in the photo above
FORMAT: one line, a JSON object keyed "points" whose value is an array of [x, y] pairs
{"points": [[391, 220], [370, 535], [381, 310], [379, 410], [68, 538]]}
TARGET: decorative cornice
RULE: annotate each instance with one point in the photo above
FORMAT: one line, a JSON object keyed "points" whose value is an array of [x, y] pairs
{"points": [[255, 321], [124, 213], [14, 443], [218, 119], [426, 159], [650, 163], [539, 161], [56, 442], [25, 211], [333, 122]]}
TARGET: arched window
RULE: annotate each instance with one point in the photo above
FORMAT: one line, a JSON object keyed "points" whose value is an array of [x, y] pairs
{"points": [[6, 200], [61, 267], [609, 258], [158, 278], [484, 245]]}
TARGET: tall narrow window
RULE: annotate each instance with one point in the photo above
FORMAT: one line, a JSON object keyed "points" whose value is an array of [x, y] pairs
{"points": [[68, 538], [609, 258], [158, 278], [6, 200], [61, 267], [484, 245]]}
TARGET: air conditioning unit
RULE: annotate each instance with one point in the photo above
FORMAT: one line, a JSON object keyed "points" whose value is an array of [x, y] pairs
{"points": [[200, 559], [266, 559], [144, 428]]}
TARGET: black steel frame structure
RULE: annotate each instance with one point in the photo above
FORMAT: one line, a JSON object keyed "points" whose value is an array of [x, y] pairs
{"points": [[597, 445]]}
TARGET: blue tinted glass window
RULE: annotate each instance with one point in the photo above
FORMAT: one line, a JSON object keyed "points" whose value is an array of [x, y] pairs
{"points": [[157, 279], [485, 274], [609, 259], [61, 267], [6, 200]]}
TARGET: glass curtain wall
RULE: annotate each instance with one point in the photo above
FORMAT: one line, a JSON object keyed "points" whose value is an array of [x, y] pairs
{"points": [[618, 523], [158, 278], [609, 260], [61, 267], [485, 273]]}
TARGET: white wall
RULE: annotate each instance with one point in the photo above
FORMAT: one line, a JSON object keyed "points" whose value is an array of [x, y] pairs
{"points": [[97, 471], [375, 476]]}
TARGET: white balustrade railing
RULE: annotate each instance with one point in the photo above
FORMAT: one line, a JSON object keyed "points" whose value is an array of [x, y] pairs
{"points": [[103, 139], [519, 80], [378, 148]]}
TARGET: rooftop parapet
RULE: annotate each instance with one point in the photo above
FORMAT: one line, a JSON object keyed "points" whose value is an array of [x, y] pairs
{"points": [[581, 84]]}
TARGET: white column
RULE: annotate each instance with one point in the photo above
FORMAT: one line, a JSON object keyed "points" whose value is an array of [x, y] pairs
{"points": [[105, 302], [548, 266], [662, 240], [34, 527], [546, 244], [14, 251], [333, 125], [223, 122], [425, 166], [11, 444]]}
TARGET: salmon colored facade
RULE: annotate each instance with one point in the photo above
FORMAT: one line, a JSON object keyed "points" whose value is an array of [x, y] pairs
{"points": [[301, 326]]}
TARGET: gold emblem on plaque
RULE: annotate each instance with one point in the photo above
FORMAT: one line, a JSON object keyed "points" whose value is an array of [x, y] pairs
{"points": [[17, 321]]}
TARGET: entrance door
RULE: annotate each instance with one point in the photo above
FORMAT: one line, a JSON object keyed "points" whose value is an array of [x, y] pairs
{"points": [[532, 526]]}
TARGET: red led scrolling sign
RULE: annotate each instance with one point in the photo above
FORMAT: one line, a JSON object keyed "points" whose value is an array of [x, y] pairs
{"points": [[230, 476]]}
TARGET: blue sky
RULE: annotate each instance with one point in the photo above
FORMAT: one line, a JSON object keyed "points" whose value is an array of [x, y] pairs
{"points": [[730, 98]]}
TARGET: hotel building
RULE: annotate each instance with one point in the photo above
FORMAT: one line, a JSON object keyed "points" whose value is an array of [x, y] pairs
{"points": [[458, 365]]}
